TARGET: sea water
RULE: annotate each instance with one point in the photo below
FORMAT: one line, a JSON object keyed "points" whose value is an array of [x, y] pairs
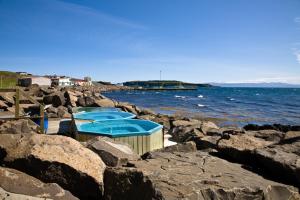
{"points": [[234, 106]]}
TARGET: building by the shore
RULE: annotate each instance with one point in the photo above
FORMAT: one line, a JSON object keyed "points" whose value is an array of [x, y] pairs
{"points": [[54, 80], [39, 80], [81, 82]]}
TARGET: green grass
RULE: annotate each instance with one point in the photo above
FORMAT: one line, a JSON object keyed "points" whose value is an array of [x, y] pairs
{"points": [[8, 79]]}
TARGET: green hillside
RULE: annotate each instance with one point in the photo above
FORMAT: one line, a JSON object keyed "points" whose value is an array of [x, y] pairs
{"points": [[8, 79]]}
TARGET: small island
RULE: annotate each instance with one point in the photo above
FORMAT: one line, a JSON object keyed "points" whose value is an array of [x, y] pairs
{"points": [[164, 85]]}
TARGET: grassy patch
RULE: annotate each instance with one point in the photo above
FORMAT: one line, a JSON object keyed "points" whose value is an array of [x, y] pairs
{"points": [[8, 79]]}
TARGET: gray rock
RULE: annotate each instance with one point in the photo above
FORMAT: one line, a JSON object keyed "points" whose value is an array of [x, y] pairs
{"points": [[105, 103], [180, 122], [190, 176], [208, 127], [112, 153], [18, 126], [48, 99], [3, 105], [34, 90], [55, 159], [86, 101], [232, 130], [268, 135], [207, 142], [163, 120], [71, 98], [181, 147], [16, 182], [185, 133], [58, 99], [281, 159], [8, 98], [291, 135], [128, 107], [241, 147], [62, 112]]}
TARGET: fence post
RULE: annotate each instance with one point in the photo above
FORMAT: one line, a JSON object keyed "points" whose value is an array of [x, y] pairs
{"points": [[42, 119], [17, 103]]}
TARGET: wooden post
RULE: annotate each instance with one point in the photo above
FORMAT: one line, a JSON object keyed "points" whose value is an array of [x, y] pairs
{"points": [[42, 119], [17, 104]]}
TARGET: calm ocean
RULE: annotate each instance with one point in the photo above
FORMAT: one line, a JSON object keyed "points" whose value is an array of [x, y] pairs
{"points": [[233, 106]]}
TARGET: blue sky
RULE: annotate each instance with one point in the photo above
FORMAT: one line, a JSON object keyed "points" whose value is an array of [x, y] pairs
{"points": [[189, 40]]}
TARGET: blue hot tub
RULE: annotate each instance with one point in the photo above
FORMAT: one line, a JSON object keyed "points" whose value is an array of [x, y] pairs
{"points": [[103, 115]]}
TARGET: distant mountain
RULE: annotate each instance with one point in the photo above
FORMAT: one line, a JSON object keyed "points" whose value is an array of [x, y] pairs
{"points": [[266, 85]]}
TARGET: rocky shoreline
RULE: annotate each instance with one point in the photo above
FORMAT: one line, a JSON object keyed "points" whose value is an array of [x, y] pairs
{"points": [[209, 162]]}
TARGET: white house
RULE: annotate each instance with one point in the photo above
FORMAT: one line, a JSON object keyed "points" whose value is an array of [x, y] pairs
{"points": [[64, 81]]}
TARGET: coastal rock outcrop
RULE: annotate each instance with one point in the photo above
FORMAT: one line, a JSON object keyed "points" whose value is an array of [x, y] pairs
{"points": [[195, 175], [112, 153], [16, 185], [55, 159]]}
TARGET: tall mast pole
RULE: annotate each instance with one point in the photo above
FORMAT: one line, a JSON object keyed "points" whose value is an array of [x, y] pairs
{"points": [[160, 75]]}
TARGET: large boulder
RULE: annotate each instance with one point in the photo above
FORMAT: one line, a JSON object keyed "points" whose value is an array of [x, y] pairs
{"points": [[55, 159], [163, 120], [56, 99], [20, 184], [189, 122], [185, 133], [3, 105], [34, 90], [62, 112], [86, 101], [209, 127], [195, 175], [112, 153], [105, 103], [128, 108], [71, 98], [181, 147], [47, 90], [281, 159], [268, 135], [47, 99], [241, 147], [18, 126]]}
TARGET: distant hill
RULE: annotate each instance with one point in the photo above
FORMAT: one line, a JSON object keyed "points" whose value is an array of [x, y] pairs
{"points": [[8, 79], [265, 85]]}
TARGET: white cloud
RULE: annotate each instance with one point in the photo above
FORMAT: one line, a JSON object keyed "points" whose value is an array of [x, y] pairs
{"points": [[297, 19], [296, 51], [297, 54]]}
